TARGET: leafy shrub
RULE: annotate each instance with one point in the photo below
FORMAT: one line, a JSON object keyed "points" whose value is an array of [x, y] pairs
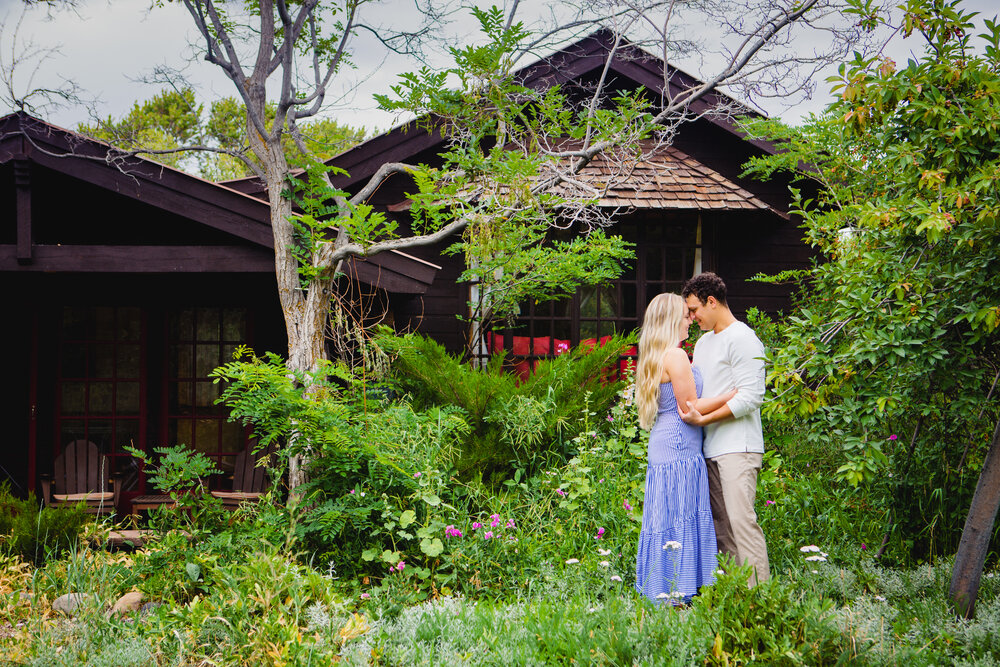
{"points": [[37, 533], [527, 423]]}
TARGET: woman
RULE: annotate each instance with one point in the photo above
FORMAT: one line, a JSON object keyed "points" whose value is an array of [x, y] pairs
{"points": [[677, 548]]}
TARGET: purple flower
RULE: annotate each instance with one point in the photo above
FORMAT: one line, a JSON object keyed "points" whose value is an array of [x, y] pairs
{"points": [[892, 437], [495, 520], [401, 565], [365, 596], [610, 418], [510, 523], [560, 492], [863, 546], [451, 531], [488, 534], [626, 506], [600, 480], [600, 533], [769, 502], [351, 491], [416, 474], [476, 525]]}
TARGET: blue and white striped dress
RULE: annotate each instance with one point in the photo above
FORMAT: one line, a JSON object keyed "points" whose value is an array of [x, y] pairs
{"points": [[677, 547]]}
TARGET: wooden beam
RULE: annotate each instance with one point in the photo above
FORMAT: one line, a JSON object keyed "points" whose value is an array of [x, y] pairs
{"points": [[22, 184], [139, 259]]}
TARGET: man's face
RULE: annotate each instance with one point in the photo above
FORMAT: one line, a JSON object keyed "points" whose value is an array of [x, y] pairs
{"points": [[703, 313]]}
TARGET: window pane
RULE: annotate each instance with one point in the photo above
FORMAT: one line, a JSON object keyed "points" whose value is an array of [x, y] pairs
{"points": [[126, 433], [100, 398], [70, 430], [104, 323], [99, 432], [654, 264], [234, 325], [206, 360], [128, 398], [629, 299], [206, 436], [73, 399], [102, 360], [205, 394], [74, 323], [232, 437], [180, 398], [182, 325], [208, 324], [129, 324], [180, 432], [128, 361]]}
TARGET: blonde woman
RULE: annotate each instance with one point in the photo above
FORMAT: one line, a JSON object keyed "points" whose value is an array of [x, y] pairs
{"points": [[677, 546]]}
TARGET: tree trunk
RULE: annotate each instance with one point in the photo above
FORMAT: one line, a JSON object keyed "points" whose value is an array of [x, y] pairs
{"points": [[976, 535]]}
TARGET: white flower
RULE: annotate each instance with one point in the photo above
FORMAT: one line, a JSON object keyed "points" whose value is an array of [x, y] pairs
{"points": [[677, 594], [572, 561], [663, 596], [604, 552], [879, 598], [362, 494], [820, 559], [615, 577], [605, 563], [592, 610], [810, 547], [720, 572], [672, 544], [814, 571]]}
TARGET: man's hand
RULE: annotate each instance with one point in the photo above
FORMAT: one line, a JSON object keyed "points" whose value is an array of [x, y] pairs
{"points": [[692, 416]]}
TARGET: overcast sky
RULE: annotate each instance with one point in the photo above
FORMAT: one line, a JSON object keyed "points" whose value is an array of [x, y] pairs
{"points": [[108, 47]]}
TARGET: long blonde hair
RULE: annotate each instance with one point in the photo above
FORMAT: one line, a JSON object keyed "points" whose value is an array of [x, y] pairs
{"points": [[661, 331]]}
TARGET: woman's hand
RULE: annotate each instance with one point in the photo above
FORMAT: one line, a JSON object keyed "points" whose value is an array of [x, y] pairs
{"points": [[692, 416]]}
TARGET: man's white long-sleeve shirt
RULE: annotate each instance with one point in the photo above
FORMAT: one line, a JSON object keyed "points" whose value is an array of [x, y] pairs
{"points": [[733, 358]]}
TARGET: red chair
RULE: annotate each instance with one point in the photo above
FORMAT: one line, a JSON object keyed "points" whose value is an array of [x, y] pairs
{"points": [[80, 475]]}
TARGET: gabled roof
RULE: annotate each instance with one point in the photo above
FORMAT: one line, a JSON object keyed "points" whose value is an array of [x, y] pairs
{"points": [[575, 62]]}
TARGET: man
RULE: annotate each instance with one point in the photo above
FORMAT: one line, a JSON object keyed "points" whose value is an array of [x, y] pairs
{"points": [[729, 354]]}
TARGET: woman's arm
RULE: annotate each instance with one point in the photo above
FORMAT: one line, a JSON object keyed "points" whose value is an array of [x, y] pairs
{"points": [[707, 404], [679, 374]]}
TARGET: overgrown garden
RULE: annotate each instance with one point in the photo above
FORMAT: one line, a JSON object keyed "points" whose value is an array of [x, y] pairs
{"points": [[453, 514]]}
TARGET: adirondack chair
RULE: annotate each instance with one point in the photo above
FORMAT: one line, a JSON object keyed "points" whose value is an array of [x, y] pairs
{"points": [[81, 475], [250, 481]]}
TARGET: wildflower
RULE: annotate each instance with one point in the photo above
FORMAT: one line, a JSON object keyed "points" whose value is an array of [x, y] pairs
{"points": [[451, 531], [476, 525], [495, 520], [663, 596], [892, 437], [769, 502], [808, 548], [600, 533], [627, 507], [560, 492], [814, 571], [863, 546], [610, 418], [615, 577], [365, 596], [671, 544], [488, 535], [362, 494], [879, 598], [401, 565], [604, 563], [511, 524], [572, 561], [604, 552], [416, 475], [820, 559], [719, 572], [600, 481], [352, 492]]}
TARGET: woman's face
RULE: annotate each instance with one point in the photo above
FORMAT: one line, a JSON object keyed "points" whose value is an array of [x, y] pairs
{"points": [[685, 324]]}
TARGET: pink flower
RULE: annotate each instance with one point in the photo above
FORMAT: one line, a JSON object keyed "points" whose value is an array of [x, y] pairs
{"points": [[476, 525], [510, 523], [864, 546], [451, 531], [488, 534], [495, 520], [351, 491], [416, 474], [401, 565], [365, 596], [560, 492], [769, 502], [626, 505], [892, 437], [600, 533], [601, 480], [610, 418]]}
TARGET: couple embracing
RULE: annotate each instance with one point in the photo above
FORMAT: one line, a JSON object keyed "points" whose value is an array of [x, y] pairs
{"points": [[705, 444]]}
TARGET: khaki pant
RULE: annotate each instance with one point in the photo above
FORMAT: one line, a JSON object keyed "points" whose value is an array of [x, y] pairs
{"points": [[732, 486]]}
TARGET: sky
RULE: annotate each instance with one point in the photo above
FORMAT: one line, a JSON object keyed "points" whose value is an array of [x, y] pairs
{"points": [[111, 48]]}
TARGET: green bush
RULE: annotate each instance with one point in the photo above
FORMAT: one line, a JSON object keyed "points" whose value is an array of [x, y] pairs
{"points": [[36, 533]]}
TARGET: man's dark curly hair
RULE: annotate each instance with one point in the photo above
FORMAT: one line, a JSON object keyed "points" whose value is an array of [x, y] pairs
{"points": [[705, 285]]}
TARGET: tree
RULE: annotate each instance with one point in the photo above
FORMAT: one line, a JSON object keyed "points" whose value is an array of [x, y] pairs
{"points": [[172, 121], [491, 186], [898, 327]]}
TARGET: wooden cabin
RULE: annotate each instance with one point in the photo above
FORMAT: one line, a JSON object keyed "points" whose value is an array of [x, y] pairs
{"points": [[128, 281]]}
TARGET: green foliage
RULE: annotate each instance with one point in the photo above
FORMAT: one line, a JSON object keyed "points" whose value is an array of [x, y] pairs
{"points": [[523, 422], [36, 533], [896, 339]]}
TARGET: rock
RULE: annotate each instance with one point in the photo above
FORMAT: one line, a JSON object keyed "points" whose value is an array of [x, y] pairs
{"points": [[128, 603], [68, 604]]}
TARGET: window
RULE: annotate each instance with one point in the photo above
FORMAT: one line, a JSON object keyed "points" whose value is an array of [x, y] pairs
{"points": [[100, 383], [198, 341]]}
